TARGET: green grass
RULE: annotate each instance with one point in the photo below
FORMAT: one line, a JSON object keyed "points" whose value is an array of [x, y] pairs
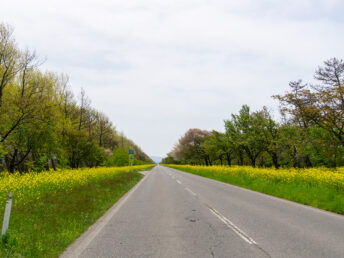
{"points": [[319, 196], [45, 227]]}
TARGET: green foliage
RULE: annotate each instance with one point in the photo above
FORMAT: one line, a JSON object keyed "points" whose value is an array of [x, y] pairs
{"points": [[247, 130], [40, 164], [311, 133], [138, 162], [2, 151], [119, 158], [45, 227], [42, 125], [169, 160]]}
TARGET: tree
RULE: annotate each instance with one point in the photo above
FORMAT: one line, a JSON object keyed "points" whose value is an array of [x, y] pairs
{"points": [[169, 160], [322, 104], [271, 136], [218, 146], [190, 147], [2, 151], [41, 123], [247, 130], [9, 56]]}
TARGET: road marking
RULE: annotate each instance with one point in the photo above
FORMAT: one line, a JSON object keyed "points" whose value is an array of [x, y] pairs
{"points": [[191, 192], [231, 225], [178, 181]]}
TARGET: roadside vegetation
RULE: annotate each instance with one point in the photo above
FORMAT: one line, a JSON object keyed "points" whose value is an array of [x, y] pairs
{"points": [[63, 159], [310, 132], [318, 187], [300, 157], [51, 209], [42, 124]]}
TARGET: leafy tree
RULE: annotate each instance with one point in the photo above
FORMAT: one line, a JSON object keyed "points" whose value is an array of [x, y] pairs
{"points": [[311, 134], [247, 130], [169, 160], [119, 158], [271, 136], [190, 147], [41, 123], [218, 146]]}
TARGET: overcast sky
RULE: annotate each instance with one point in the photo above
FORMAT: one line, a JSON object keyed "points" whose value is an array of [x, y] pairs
{"points": [[160, 67]]}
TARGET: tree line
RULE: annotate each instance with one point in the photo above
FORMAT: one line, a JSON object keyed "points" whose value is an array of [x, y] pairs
{"points": [[42, 124], [310, 133]]}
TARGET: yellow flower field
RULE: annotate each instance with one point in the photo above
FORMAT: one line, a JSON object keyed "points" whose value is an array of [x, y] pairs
{"points": [[33, 185], [311, 176]]}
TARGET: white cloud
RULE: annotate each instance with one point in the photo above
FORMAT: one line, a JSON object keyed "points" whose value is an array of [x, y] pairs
{"points": [[158, 68]]}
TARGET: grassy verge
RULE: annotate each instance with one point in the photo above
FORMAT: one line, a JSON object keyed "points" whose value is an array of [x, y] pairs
{"points": [[319, 188], [45, 226]]}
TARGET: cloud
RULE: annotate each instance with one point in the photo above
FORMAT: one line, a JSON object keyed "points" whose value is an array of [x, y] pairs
{"points": [[157, 68]]}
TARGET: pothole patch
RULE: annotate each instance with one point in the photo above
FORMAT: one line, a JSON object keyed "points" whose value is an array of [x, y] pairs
{"points": [[192, 219]]}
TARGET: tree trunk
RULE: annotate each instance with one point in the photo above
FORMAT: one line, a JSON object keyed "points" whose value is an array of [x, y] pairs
{"points": [[12, 162], [53, 164], [251, 157], [308, 161], [72, 160], [241, 159], [294, 162], [23, 157], [228, 156], [210, 163], [261, 162], [220, 157], [275, 159], [294, 157], [253, 162]]}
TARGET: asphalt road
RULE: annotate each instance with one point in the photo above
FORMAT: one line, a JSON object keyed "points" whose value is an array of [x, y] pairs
{"points": [[176, 214]]}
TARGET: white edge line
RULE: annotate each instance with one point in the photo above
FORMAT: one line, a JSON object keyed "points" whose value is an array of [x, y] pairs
{"points": [[178, 181], [81, 243], [231, 225]]}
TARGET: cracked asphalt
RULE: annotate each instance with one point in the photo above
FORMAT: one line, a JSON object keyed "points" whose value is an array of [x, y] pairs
{"points": [[175, 214]]}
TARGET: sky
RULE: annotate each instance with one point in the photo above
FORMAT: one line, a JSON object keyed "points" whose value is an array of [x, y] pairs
{"points": [[160, 67]]}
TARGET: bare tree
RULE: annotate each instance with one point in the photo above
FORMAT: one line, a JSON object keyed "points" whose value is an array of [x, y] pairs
{"points": [[8, 58], [28, 62], [84, 105]]}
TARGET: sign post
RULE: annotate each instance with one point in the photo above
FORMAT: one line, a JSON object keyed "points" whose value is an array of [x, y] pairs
{"points": [[131, 158]]}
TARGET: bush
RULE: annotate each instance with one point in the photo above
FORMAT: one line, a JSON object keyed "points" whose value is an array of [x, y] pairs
{"points": [[119, 158]]}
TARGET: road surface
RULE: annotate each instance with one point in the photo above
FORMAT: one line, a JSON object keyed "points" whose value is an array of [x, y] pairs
{"points": [[176, 214]]}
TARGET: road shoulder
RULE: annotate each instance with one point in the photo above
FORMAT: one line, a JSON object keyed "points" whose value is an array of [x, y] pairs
{"points": [[81, 243]]}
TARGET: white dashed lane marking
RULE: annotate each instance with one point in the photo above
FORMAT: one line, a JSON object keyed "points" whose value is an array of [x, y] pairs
{"points": [[190, 191], [226, 221]]}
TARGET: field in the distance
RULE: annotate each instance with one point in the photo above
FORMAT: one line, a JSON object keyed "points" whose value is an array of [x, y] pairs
{"points": [[318, 187], [51, 209]]}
